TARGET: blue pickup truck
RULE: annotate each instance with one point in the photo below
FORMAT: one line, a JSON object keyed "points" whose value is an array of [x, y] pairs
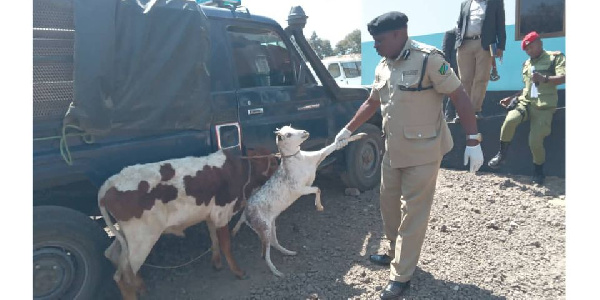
{"points": [[118, 83]]}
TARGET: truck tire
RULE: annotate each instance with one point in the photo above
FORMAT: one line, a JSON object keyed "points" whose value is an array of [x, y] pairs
{"points": [[68, 254], [363, 159]]}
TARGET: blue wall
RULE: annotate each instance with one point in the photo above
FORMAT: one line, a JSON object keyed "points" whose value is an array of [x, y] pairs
{"points": [[509, 70]]}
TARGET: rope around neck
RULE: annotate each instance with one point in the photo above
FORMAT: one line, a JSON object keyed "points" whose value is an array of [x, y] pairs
{"points": [[287, 156]]}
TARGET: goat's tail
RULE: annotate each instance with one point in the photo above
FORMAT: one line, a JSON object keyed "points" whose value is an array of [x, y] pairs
{"points": [[239, 223]]}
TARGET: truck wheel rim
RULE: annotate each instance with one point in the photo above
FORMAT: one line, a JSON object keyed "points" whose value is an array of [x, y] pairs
{"points": [[53, 272], [368, 159]]}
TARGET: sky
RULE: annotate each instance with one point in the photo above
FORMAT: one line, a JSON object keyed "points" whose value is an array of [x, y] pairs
{"points": [[331, 19]]}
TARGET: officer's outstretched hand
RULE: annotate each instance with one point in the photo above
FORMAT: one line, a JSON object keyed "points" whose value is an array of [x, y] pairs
{"points": [[341, 144], [343, 134], [475, 155]]}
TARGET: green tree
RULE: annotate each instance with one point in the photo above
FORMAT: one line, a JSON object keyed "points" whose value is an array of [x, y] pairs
{"points": [[349, 45], [322, 47]]}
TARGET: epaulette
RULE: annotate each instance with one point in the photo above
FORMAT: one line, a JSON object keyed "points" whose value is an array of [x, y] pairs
{"points": [[425, 48], [555, 53]]}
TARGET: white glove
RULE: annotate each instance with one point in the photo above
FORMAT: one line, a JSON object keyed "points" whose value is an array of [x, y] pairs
{"points": [[475, 155], [341, 144], [343, 134]]}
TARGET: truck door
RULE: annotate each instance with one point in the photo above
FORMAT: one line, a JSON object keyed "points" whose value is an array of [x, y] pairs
{"points": [[269, 95]]}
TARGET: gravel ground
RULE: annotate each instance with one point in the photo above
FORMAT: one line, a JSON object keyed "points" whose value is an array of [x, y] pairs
{"points": [[490, 237]]}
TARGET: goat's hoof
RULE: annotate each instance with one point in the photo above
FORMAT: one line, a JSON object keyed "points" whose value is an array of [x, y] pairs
{"points": [[320, 208], [217, 266], [242, 275], [278, 274], [290, 253]]}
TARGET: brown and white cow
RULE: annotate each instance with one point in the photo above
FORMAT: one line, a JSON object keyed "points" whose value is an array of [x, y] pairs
{"points": [[148, 200]]}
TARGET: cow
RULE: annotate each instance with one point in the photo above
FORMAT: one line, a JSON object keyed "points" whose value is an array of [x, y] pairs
{"points": [[148, 200]]}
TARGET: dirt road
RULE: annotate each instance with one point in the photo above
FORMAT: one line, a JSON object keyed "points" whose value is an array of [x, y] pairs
{"points": [[489, 237]]}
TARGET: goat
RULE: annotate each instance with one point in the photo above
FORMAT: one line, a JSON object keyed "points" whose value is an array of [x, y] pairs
{"points": [[292, 179]]}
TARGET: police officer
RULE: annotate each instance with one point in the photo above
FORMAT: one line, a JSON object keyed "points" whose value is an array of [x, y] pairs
{"points": [[542, 72], [410, 82]]}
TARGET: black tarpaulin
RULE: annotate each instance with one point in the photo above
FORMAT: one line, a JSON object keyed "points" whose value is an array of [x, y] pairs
{"points": [[140, 65]]}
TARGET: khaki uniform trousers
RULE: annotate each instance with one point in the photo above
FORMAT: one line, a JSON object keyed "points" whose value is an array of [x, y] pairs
{"points": [[540, 128], [405, 220], [474, 66]]}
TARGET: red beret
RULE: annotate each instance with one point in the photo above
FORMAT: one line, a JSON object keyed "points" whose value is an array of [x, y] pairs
{"points": [[529, 38]]}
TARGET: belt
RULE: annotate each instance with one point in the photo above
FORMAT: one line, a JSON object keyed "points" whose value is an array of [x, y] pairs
{"points": [[475, 37]]}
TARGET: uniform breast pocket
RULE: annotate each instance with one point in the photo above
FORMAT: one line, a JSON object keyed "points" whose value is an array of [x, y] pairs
{"points": [[408, 79]]}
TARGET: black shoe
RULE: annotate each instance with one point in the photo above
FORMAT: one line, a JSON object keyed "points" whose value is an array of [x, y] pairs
{"points": [[538, 174], [500, 157], [449, 119], [496, 161], [394, 290], [479, 116], [537, 178], [380, 259], [456, 120]]}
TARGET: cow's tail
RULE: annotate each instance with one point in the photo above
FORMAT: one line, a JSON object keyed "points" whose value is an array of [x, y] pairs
{"points": [[124, 249], [111, 226]]}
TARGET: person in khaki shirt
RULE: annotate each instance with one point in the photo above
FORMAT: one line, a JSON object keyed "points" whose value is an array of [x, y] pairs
{"points": [[410, 83], [542, 72]]}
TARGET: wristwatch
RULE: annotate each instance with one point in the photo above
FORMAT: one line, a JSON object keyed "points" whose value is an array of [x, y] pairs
{"points": [[476, 137]]}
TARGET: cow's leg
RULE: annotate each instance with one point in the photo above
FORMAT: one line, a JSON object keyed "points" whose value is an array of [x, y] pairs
{"points": [[130, 284], [139, 245], [267, 246], [123, 275], [216, 251], [225, 243], [275, 242], [313, 190]]}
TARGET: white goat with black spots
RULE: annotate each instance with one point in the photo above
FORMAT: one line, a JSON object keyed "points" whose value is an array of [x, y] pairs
{"points": [[293, 178]]}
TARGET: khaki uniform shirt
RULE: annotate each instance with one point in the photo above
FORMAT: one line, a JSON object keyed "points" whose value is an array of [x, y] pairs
{"points": [[413, 123], [547, 94]]}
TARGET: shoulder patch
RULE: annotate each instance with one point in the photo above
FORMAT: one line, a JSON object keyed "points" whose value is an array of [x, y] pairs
{"points": [[443, 68]]}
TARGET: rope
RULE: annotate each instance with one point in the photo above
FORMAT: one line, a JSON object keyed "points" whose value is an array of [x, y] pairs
{"points": [[179, 266], [64, 147], [277, 155]]}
